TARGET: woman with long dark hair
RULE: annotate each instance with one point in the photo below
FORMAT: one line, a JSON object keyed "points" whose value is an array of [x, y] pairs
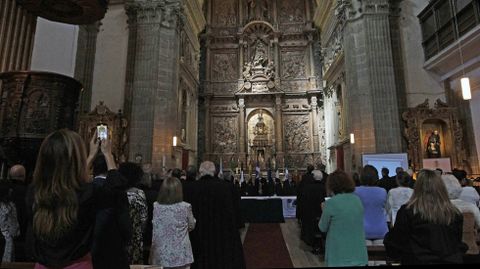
{"points": [[62, 203]]}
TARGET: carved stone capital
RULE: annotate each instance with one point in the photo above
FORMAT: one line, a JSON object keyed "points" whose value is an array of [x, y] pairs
{"points": [[165, 12], [143, 11], [354, 9]]}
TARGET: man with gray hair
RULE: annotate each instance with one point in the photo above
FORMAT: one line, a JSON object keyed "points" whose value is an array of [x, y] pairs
{"points": [[215, 241], [207, 168]]}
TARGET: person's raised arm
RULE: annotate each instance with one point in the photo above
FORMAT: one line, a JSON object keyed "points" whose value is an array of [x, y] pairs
{"points": [[106, 148], [93, 149]]}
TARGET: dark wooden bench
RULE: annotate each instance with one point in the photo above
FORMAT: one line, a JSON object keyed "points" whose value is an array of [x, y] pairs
{"points": [[379, 253], [17, 265]]}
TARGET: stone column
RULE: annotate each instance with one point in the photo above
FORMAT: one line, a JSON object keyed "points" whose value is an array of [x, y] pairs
{"points": [[313, 104], [85, 62], [17, 31], [374, 115], [155, 79], [241, 122], [208, 147], [278, 128], [276, 54], [311, 61]]}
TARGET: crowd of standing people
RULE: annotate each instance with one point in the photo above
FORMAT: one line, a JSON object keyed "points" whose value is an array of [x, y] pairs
{"points": [[83, 210]]}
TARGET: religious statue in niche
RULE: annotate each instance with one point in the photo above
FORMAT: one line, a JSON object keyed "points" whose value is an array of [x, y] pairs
{"points": [[433, 145], [257, 9], [259, 73], [260, 57], [260, 127]]}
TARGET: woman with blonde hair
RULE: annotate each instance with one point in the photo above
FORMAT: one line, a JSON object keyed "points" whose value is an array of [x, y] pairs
{"points": [[62, 203], [172, 221], [428, 229]]}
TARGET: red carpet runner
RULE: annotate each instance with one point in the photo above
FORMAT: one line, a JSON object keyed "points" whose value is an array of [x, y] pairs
{"points": [[264, 247]]}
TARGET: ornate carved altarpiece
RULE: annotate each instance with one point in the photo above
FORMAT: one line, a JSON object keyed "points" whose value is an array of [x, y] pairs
{"points": [[260, 84], [117, 126], [422, 120]]}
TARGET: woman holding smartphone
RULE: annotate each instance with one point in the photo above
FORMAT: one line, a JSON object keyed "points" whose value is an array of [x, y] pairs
{"points": [[62, 202]]}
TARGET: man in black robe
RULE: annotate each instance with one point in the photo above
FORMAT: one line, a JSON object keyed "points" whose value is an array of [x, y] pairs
{"points": [[306, 179], [313, 196], [251, 189], [215, 240]]}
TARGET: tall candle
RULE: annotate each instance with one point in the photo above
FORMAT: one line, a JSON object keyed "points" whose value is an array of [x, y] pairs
{"points": [[1, 171], [163, 161]]}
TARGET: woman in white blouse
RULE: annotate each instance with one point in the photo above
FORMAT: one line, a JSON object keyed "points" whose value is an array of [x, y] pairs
{"points": [[172, 220], [398, 196]]}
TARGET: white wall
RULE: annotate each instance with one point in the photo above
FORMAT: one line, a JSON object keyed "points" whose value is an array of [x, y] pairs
{"points": [[111, 59], [55, 47], [420, 84], [331, 131]]}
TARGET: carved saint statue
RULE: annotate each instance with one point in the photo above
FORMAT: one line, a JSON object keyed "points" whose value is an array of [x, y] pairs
{"points": [[270, 70], [260, 56], [433, 145], [247, 71], [260, 127], [257, 9]]}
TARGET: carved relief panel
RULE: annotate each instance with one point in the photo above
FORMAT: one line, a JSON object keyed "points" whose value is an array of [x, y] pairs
{"points": [[225, 11], [224, 67], [224, 134], [293, 64], [297, 133], [291, 11]]}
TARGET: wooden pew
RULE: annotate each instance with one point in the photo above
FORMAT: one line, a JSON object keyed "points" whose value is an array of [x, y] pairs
{"points": [[17, 265]]}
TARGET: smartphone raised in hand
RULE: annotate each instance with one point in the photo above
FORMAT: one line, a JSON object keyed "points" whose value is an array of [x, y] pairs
{"points": [[102, 131]]}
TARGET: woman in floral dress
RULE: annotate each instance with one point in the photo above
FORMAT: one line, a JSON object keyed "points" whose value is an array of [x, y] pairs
{"points": [[8, 221], [138, 210], [172, 221]]}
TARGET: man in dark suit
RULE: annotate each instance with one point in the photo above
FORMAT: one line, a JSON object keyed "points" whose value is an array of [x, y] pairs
{"points": [[251, 189], [387, 182], [215, 240], [113, 228]]}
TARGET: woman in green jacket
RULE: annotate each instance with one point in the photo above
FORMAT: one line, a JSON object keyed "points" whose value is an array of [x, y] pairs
{"points": [[342, 220]]}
